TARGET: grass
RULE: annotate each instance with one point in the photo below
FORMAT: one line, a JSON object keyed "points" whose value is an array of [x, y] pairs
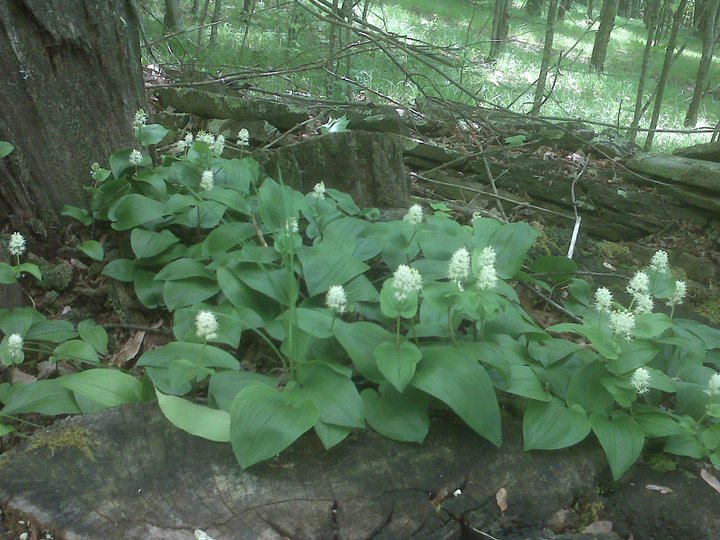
{"points": [[578, 92]]}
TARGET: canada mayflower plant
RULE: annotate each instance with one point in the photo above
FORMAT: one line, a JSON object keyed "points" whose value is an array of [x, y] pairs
{"points": [[238, 261]]}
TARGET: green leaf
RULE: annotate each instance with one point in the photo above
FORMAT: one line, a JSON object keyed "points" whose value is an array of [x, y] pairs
{"points": [[524, 382], [335, 125], [206, 355], [225, 385], [621, 438], [54, 331], [151, 134], [334, 394], [4, 430], [360, 339], [397, 364], [76, 350], [464, 386], [264, 422], [121, 270], [651, 325], [5, 149], [658, 424], [586, 390], [326, 265], [685, 444], [184, 268], [226, 236], [133, 210], [709, 336], [149, 243], [198, 420], [604, 344], [331, 435], [148, 290], [94, 334], [7, 274], [512, 242], [552, 350], [398, 416], [106, 387], [552, 425], [31, 269], [515, 140], [43, 397], [186, 292], [392, 307], [80, 214], [634, 354], [120, 161], [93, 249]]}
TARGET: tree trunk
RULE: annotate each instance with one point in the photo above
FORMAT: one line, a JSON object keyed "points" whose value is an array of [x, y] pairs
{"points": [[71, 82], [547, 54], [665, 73], [563, 8], [602, 38], [590, 9], [501, 24], [201, 21], [652, 22], [216, 17], [534, 7], [709, 36], [172, 18]]}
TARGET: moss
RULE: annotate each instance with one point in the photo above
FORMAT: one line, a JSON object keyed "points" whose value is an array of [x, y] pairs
{"points": [[57, 277], [68, 437], [662, 463], [612, 251], [589, 513]]}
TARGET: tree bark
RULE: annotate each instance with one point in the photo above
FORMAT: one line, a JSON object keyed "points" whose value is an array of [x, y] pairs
{"points": [[563, 8], [709, 35], [652, 24], [501, 24], [172, 18], [215, 18], [547, 54], [534, 7], [71, 80], [665, 73], [602, 38], [590, 9]]}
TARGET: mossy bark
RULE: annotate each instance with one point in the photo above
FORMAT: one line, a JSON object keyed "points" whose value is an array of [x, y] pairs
{"points": [[71, 82]]}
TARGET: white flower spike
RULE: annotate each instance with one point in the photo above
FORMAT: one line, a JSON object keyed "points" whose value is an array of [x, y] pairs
{"points": [[406, 280], [640, 380], [16, 245], [414, 215], [206, 325], [135, 158], [659, 261], [459, 267], [603, 300], [336, 299], [207, 182], [622, 323]]}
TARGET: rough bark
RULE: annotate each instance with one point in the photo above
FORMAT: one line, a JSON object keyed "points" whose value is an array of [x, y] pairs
{"points": [[709, 26], [71, 82], [547, 54], [665, 73], [602, 38], [534, 7], [217, 10], [563, 8]]}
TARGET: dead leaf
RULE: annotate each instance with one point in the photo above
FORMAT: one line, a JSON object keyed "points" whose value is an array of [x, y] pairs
{"points": [[127, 350], [599, 527], [609, 266], [501, 498], [21, 377], [662, 489], [711, 480], [441, 495]]}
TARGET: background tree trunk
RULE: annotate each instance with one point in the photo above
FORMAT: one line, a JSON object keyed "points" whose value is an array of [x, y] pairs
{"points": [[71, 82], [652, 14], [215, 18], [709, 26], [602, 38], [563, 8], [547, 54], [501, 24], [590, 9], [173, 17], [534, 7], [665, 73]]}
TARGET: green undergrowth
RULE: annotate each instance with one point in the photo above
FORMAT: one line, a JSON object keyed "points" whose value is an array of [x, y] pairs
{"points": [[577, 92], [355, 322]]}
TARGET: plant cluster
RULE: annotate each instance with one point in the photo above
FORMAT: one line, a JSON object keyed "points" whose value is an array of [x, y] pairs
{"points": [[363, 322]]}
